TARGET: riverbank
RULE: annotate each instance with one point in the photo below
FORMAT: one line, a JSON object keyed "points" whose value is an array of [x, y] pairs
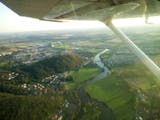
{"points": [[105, 111], [97, 60], [79, 101]]}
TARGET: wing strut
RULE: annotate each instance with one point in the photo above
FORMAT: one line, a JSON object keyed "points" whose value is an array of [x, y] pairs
{"points": [[135, 49]]}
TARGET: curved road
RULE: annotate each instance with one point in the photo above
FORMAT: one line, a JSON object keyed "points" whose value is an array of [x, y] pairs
{"points": [[106, 112]]}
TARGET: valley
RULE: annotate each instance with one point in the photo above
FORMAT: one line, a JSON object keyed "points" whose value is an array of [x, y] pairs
{"points": [[53, 75]]}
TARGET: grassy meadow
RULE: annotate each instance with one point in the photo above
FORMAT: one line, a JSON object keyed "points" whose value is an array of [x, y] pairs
{"points": [[127, 91], [82, 75]]}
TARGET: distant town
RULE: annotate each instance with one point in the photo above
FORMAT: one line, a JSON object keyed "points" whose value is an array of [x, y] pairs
{"points": [[51, 75]]}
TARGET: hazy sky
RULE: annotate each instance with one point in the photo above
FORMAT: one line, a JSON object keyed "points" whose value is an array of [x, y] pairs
{"points": [[11, 22]]}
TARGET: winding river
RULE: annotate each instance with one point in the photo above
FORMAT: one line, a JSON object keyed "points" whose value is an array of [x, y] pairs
{"points": [[98, 61], [106, 112]]}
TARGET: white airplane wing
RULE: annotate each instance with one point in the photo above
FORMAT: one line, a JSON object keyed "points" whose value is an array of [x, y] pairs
{"points": [[82, 9]]}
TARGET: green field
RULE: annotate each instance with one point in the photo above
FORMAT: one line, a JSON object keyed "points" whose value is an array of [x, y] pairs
{"points": [[82, 75], [119, 89], [89, 110], [114, 93]]}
